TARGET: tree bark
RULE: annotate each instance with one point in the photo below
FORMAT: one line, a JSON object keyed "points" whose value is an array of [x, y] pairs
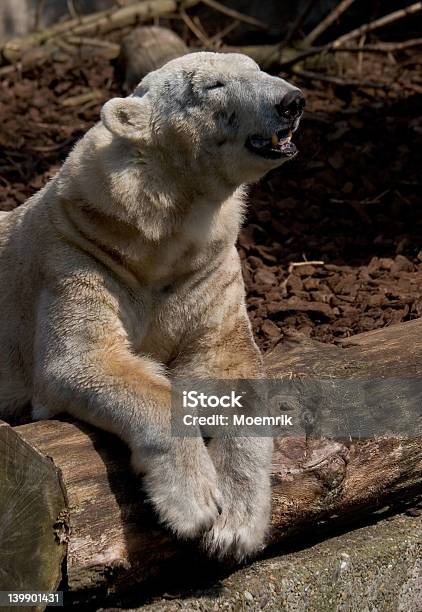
{"points": [[114, 539]]}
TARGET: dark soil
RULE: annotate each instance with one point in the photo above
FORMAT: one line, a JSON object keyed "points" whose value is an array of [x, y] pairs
{"points": [[349, 201]]}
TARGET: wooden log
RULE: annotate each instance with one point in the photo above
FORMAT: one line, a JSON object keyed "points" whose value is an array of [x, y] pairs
{"points": [[345, 480], [147, 48], [33, 516], [92, 25], [114, 539], [114, 536]]}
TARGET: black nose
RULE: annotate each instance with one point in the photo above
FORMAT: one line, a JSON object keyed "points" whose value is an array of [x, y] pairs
{"points": [[292, 105]]}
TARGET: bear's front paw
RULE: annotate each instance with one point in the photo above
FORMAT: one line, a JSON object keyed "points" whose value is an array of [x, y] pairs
{"points": [[184, 492], [239, 532], [243, 468]]}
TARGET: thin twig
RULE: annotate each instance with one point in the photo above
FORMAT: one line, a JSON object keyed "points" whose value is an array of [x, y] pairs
{"points": [[325, 23], [413, 87], [360, 54], [264, 55], [376, 199], [49, 148], [92, 42], [218, 38], [385, 47], [194, 28], [107, 49], [198, 22], [366, 201], [378, 23], [307, 74], [80, 99], [71, 9], [297, 23], [6, 70], [62, 44], [235, 14], [299, 264], [39, 8]]}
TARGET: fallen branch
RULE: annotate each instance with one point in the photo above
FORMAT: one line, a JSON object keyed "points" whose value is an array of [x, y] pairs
{"points": [[92, 25], [325, 23], [385, 47], [93, 42], [287, 57], [335, 80], [378, 23], [34, 49]]}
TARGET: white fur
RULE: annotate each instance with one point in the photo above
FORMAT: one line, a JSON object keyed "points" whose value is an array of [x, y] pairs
{"points": [[122, 274]]}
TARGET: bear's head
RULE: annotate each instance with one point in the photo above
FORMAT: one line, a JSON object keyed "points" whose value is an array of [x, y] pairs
{"points": [[210, 113]]}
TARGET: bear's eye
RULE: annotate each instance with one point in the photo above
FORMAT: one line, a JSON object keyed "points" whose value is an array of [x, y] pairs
{"points": [[215, 85]]}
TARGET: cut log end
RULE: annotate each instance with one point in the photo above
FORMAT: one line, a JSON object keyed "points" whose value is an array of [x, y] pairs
{"points": [[33, 517]]}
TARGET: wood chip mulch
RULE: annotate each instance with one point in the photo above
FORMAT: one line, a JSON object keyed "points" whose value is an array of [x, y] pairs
{"points": [[349, 200]]}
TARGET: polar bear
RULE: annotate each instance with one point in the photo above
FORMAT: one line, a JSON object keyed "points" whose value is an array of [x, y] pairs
{"points": [[121, 274]]}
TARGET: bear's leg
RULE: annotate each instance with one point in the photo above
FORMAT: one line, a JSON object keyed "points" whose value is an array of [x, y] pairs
{"points": [[85, 367], [243, 463]]}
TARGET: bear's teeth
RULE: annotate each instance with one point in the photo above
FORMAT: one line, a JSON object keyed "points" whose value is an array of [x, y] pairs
{"points": [[274, 140]]}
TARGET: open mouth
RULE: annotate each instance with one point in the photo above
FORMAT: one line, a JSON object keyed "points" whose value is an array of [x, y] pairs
{"points": [[279, 145]]}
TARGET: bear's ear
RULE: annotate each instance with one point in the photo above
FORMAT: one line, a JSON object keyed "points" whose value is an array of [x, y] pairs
{"points": [[127, 117]]}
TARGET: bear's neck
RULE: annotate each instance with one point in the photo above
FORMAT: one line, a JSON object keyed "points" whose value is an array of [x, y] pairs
{"points": [[132, 206], [154, 194]]}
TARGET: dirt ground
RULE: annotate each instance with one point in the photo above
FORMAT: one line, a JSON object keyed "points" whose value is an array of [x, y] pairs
{"points": [[348, 202]]}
